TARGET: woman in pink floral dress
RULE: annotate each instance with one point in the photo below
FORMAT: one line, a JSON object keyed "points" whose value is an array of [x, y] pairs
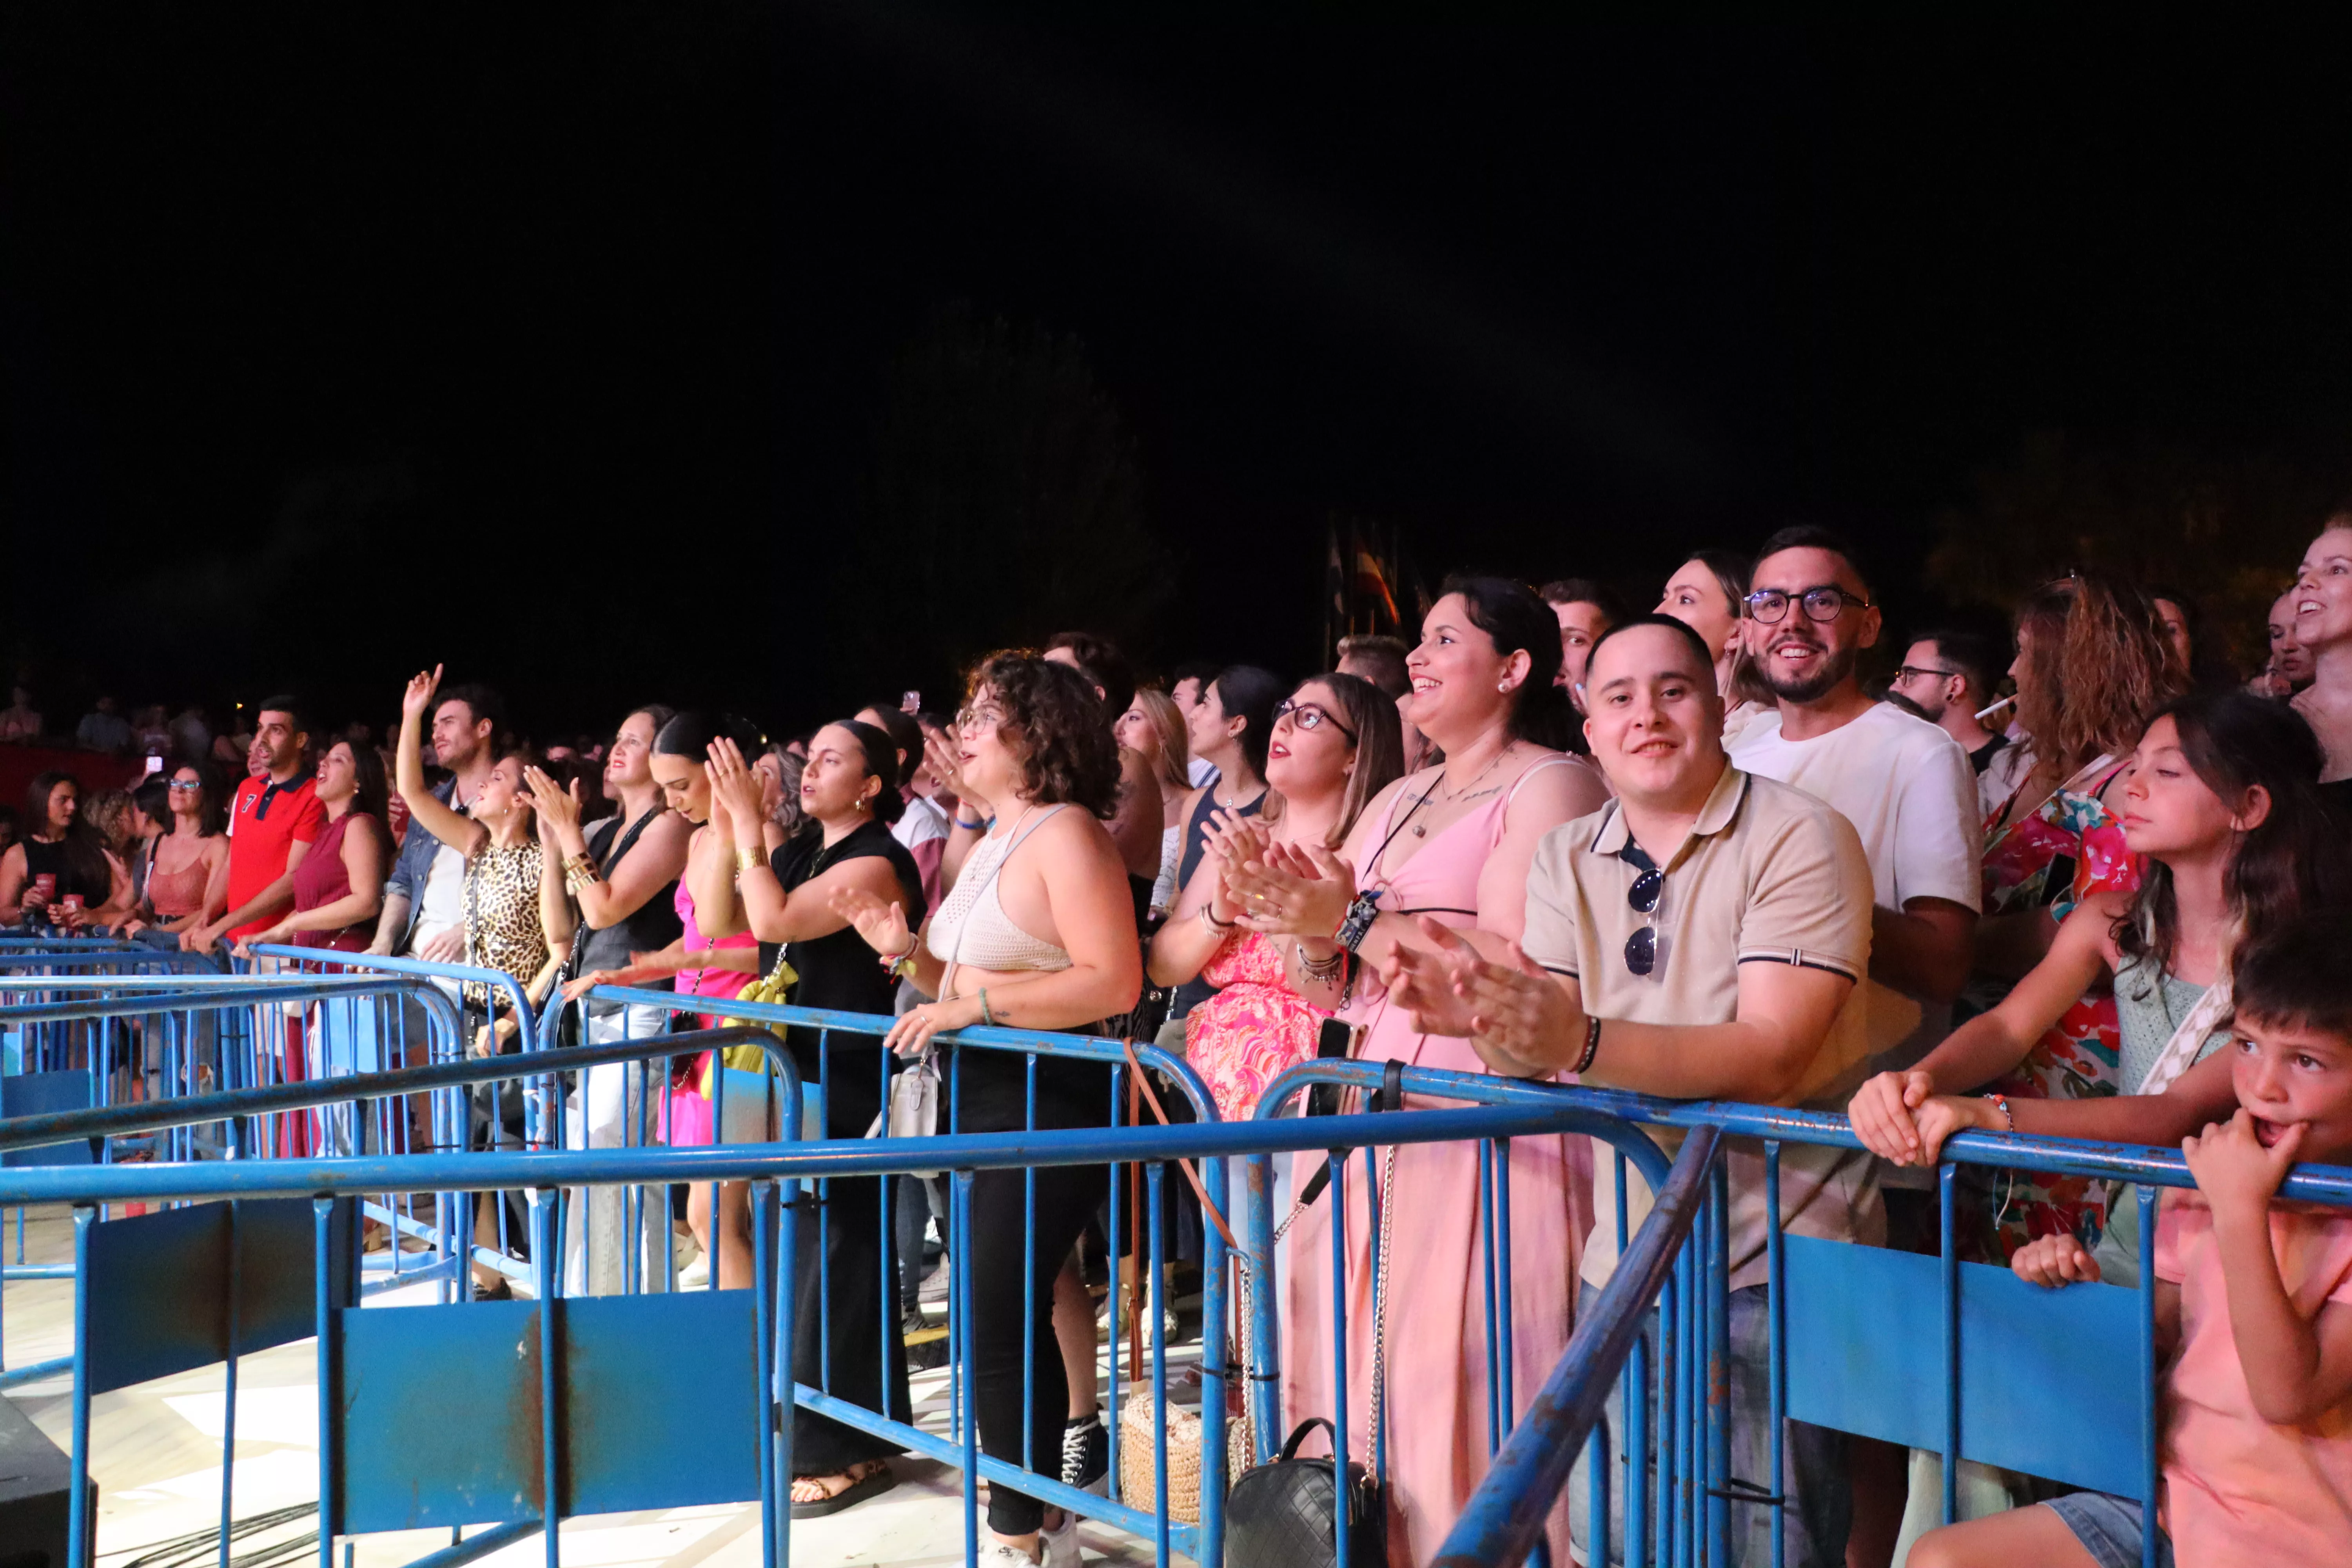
{"points": [[2093, 665], [1335, 744]]}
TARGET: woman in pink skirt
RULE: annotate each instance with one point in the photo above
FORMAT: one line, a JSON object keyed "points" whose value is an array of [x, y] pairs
{"points": [[1453, 842]]}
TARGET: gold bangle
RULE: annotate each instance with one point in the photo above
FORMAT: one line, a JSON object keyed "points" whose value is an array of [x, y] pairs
{"points": [[748, 860]]}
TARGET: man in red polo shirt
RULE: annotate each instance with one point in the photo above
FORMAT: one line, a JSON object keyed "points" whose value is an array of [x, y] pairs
{"points": [[272, 824]]}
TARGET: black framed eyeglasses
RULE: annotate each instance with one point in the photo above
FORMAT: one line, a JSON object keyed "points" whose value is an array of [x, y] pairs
{"points": [[1310, 716], [1641, 947], [1913, 672], [1826, 602]]}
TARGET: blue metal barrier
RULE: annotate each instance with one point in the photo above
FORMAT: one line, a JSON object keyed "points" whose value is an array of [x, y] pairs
{"points": [[2054, 1383], [1031, 1477], [590, 1418]]}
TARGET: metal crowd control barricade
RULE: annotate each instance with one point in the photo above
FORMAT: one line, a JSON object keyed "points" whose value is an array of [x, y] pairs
{"points": [[2060, 1384], [1037, 1475], [179, 1122], [201, 1282], [542, 1410]]}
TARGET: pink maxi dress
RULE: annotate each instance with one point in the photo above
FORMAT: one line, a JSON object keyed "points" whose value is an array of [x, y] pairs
{"points": [[1436, 1379]]}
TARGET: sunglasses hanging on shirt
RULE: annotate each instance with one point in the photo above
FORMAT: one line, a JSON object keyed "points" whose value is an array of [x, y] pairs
{"points": [[1641, 947]]}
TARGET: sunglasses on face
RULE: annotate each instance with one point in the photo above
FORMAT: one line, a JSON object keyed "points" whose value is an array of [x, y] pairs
{"points": [[187, 786], [1824, 603], [1310, 716]]}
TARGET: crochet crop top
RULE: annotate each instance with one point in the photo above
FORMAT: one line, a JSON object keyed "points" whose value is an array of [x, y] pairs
{"points": [[971, 928]]}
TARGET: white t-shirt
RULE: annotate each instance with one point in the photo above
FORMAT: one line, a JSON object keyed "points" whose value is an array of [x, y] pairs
{"points": [[1908, 790], [922, 821]]}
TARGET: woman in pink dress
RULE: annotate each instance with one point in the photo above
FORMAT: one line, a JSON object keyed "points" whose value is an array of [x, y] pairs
{"points": [[1335, 745], [1454, 842]]}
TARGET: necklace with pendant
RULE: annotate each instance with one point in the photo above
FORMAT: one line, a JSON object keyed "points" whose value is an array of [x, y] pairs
{"points": [[1420, 829]]}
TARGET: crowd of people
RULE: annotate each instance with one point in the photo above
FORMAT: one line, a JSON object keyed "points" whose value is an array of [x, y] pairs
{"points": [[1691, 852]]}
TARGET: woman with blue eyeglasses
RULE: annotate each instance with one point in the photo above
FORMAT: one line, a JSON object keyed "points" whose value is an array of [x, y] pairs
{"points": [[186, 880]]}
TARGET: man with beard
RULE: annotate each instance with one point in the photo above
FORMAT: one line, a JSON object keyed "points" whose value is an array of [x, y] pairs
{"points": [[1907, 789], [1904, 783]]}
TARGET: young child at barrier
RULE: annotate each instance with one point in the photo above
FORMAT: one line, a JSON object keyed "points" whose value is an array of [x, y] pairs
{"points": [[2254, 1307]]}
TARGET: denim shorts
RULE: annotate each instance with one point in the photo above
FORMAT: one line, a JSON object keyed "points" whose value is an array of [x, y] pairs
{"points": [[2110, 1528]]}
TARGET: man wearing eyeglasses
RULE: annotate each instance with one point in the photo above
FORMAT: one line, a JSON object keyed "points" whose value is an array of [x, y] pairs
{"points": [[1700, 937], [1904, 783]]}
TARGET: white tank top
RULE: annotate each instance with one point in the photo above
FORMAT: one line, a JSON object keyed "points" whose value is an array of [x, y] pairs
{"points": [[971, 926]]}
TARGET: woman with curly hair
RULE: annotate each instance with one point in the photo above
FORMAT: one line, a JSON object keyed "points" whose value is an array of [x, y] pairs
{"points": [[2092, 667], [1038, 933]]}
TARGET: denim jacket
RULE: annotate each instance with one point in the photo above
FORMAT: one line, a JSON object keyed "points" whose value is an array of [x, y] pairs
{"points": [[415, 864]]}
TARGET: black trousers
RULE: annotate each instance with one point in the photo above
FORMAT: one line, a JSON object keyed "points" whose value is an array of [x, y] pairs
{"points": [[1004, 1349], [845, 1336], [1002, 1346]]}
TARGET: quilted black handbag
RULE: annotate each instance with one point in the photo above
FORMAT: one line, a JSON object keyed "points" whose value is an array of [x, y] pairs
{"points": [[1279, 1515]]}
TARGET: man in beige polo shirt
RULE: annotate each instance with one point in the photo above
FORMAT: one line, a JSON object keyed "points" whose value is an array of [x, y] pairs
{"points": [[1700, 938]]}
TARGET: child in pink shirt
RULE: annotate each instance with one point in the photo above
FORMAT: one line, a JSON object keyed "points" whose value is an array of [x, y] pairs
{"points": [[2255, 1295]]}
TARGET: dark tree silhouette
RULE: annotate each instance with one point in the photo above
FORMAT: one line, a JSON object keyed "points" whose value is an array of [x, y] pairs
{"points": [[2227, 526], [1004, 502]]}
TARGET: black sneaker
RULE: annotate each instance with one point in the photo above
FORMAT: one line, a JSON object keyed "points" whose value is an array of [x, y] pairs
{"points": [[1085, 1455]]}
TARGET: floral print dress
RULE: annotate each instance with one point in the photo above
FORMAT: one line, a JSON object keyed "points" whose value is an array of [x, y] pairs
{"points": [[1254, 1026], [2068, 849]]}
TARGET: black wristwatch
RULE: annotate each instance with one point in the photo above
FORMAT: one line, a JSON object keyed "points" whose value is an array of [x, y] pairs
{"points": [[1360, 915]]}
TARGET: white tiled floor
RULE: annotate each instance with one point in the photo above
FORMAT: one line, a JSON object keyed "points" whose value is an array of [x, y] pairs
{"points": [[156, 1457]]}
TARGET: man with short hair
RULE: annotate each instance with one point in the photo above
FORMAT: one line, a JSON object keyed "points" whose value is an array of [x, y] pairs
{"points": [[1188, 685], [1902, 783], [1378, 659], [1948, 676], [273, 820], [1586, 610], [425, 899], [103, 728], [1700, 938]]}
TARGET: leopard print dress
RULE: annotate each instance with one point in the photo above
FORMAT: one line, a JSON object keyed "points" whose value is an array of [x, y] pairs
{"points": [[502, 925]]}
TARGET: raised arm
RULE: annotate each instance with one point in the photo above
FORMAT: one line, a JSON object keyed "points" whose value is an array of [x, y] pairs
{"points": [[453, 828]]}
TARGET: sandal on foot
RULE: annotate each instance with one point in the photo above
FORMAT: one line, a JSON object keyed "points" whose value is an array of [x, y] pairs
{"points": [[850, 1495]]}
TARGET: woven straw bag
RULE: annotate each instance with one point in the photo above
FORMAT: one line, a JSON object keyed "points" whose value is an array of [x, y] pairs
{"points": [[1136, 1437]]}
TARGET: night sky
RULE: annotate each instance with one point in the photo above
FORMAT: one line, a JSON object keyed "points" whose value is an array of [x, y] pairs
{"points": [[335, 343]]}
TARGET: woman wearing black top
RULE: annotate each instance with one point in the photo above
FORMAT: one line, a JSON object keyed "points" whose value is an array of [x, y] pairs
{"points": [[849, 798], [58, 845], [622, 873]]}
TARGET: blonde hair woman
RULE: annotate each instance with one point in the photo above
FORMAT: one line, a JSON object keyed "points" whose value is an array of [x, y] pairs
{"points": [[1153, 728]]}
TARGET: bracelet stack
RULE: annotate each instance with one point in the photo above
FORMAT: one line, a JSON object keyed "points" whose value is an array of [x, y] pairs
{"points": [[579, 873], [1323, 970]]}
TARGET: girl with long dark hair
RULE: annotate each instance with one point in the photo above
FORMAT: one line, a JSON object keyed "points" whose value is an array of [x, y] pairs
{"points": [[2223, 799], [58, 872], [339, 886], [1452, 842], [849, 798]]}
